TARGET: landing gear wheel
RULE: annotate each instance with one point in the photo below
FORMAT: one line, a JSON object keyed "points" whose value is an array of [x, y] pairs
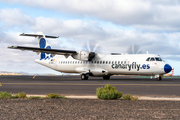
{"points": [[159, 78], [84, 77], [107, 77]]}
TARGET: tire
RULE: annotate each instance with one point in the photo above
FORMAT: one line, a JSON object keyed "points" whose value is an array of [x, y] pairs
{"points": [[84, 77], [159, 78], [107, 77]]}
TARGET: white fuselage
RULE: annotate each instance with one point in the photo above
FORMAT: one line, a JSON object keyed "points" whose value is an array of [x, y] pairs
{"points": [[127, 64]]}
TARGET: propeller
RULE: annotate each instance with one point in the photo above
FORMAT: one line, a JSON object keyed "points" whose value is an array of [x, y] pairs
{"points": [[92, 47], [91, 56], [134, 49]]}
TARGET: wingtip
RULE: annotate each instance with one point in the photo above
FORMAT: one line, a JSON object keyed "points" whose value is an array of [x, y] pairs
{"points": [[12, 46], [22, 34]]}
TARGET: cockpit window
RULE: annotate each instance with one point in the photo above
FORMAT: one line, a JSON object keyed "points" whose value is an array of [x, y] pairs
{"points": [[158, 59], [152, 59], [148, 59]]}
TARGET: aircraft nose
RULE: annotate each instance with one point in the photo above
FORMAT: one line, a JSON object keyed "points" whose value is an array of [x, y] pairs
{"points": [[167, 68]]}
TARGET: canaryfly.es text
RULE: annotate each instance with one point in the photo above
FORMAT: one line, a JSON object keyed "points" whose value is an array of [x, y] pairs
{"points": [[134, 65]]}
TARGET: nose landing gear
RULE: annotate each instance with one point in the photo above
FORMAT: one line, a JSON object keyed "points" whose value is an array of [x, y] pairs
{"points": [[158, 77]]}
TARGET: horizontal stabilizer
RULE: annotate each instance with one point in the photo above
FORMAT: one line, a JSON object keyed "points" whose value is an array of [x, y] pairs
{"points": [[44, 50], [38, 35]]}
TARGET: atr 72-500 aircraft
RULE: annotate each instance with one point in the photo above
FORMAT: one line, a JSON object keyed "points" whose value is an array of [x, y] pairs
{"points": [[94, 64]]}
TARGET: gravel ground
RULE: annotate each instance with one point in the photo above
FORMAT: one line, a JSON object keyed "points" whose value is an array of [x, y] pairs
{"points": [[87, 109]]}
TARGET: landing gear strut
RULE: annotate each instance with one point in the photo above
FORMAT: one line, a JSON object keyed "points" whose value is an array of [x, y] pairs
{"points": [[84, 77]]}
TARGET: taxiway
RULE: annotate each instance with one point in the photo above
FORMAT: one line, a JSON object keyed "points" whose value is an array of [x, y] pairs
{"points": [[73, 85]]}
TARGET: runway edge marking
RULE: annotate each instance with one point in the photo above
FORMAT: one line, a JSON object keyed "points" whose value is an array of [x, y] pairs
{"points": [[95, 97]]}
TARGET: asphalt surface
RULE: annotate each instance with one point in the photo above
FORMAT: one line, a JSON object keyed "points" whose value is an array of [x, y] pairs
{"points": [[73, 85]]}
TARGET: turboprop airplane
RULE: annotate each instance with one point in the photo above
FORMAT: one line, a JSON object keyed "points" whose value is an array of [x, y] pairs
{"points": [[94, 64]]}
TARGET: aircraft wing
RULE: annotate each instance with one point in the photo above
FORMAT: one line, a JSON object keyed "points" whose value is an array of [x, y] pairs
{"points": [[51, 51]]}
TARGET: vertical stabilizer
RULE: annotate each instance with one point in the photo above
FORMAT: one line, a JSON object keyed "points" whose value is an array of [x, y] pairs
{"points": [[42, 43]]}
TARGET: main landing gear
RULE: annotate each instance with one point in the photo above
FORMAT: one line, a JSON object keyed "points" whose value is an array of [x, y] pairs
{"points": [[84, 77], [107, 77]]}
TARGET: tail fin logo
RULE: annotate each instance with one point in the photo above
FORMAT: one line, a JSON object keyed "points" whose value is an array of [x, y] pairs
{"points": [[43, 44]]}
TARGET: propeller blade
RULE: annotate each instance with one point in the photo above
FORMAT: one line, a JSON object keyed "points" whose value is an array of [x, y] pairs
{"points": [[134, 49], [88, 46], [96, 46]]}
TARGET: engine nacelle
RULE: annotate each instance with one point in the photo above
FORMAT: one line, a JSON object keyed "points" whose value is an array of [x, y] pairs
{"points": [[99, 72], [84, 56]]}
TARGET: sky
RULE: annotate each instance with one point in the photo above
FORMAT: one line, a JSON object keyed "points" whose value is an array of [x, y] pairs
{"points": [[113, 25]]}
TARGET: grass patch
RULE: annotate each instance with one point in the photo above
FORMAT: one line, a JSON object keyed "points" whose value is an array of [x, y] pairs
{"points": [[130, 97], [108, 93], [5, 95], [53, 95], [35, 97], [21, 95], [15, 96], [127, 97], [134, 98]]}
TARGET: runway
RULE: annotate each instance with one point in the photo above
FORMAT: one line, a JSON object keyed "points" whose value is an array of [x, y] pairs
{"points": [[73, 85]]}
